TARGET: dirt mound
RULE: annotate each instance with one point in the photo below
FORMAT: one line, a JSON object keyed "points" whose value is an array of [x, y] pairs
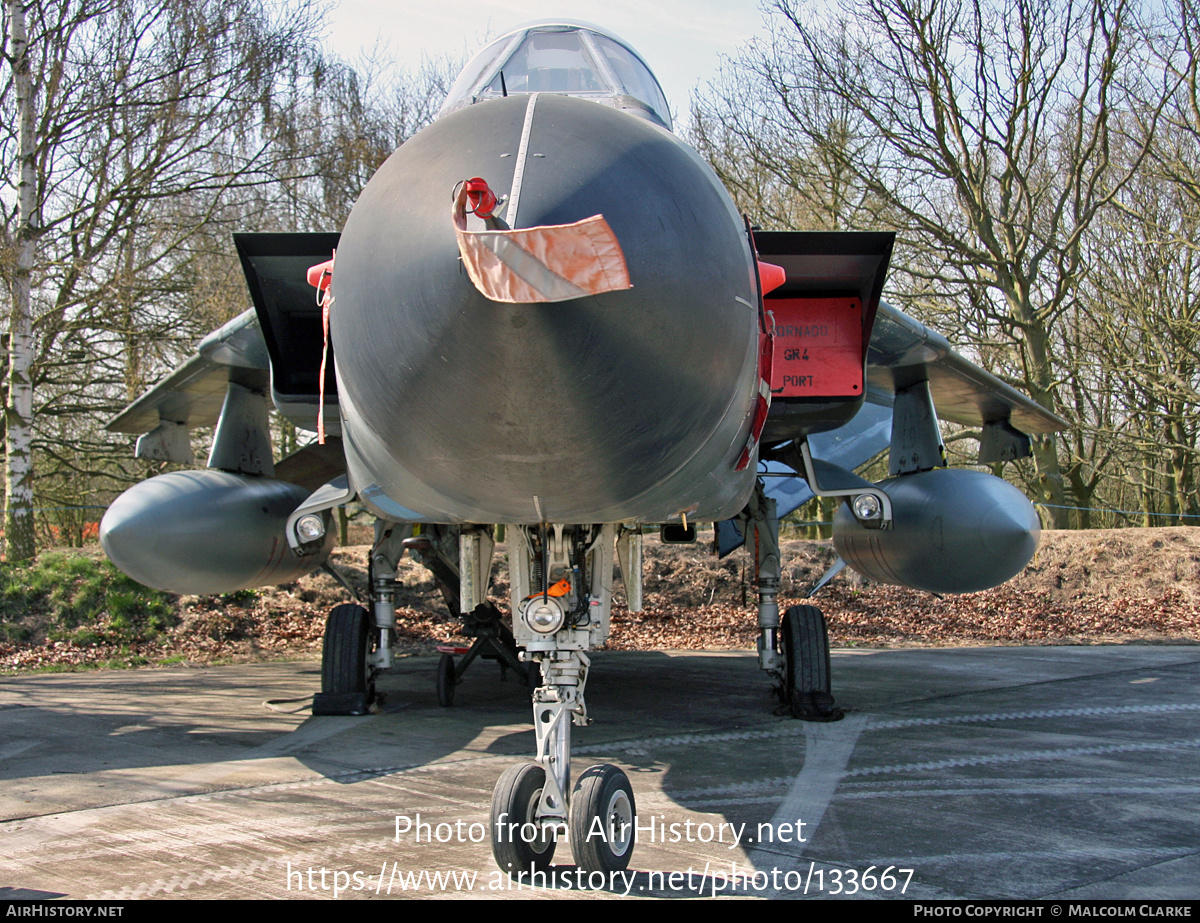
{"points": [[1081, 588], [1111, 563]]}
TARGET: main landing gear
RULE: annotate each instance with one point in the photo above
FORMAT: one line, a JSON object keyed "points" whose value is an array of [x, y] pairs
{"points": [[347, 663], [357, 641], [795, 653], [561, 599], [805, 688]]}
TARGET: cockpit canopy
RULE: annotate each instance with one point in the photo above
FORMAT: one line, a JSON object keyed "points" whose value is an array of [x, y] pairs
{"points": [[575, 59]]}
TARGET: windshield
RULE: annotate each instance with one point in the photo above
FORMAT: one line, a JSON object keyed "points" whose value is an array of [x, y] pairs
{"points": [[574, 60]]}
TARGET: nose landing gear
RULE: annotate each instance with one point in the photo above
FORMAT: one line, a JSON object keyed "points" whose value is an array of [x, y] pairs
{"points": [[561, 595]]}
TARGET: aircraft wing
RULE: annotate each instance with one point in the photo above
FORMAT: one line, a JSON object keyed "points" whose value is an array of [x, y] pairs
{"points": [[194, 393], [904, 351], [274, 348]]}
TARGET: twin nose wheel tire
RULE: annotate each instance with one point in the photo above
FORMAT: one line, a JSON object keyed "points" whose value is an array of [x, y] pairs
{"points": [[602, 821]]}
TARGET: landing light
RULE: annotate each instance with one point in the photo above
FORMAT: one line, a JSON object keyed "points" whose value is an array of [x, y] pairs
{"points": [[310, 528], [544, 617], [866, 506]]}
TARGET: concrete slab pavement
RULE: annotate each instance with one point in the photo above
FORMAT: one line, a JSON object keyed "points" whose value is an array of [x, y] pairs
{"points": [[1031, 772]]}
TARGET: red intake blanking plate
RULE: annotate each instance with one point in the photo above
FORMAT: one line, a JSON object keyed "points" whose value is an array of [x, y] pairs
{"points": [[818, 347]]}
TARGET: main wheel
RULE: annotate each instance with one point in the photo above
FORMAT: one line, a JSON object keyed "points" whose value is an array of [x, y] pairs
{"points": [[807, 687], [518, 845], [603, 820], [445, 680], [349, 641]]}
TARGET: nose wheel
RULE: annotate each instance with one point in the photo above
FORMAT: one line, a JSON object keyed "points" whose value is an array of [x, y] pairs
{"points": [[602, 825], [520, 844], [603, 820]]}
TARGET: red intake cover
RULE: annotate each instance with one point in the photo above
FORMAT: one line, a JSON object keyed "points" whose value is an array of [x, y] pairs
{"points": [[818, 347]]}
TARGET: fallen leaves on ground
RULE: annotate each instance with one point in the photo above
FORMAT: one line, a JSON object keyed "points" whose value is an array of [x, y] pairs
{"points": [[1082, 588]]}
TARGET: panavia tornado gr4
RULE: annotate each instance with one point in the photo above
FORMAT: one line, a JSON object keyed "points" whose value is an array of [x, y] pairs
{"points": [[546, 312]]}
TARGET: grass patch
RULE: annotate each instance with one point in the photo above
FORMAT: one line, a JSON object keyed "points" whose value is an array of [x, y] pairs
{"points": [[65, 667], [81, 598]]}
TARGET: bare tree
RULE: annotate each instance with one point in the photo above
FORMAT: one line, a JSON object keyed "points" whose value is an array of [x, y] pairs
{"points": [[1144, 307], [982, 132], [1178, 53], [18, 411], [138, 123], [340, 129]]}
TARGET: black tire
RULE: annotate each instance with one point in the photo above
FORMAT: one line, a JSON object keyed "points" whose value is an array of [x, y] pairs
{"points": [[445, 680], [349, 639], [515, 802], [807, 687], [603, 820]]}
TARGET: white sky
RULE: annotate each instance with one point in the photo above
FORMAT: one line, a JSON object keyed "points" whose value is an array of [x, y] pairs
{"points": [[682, 42]]}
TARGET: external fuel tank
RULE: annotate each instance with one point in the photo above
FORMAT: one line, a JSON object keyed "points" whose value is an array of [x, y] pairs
{"points": [[207, 531], [954, 531]]}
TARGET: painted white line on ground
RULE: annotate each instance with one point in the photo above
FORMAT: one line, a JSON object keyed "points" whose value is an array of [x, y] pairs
{"points": [[827, 750]]}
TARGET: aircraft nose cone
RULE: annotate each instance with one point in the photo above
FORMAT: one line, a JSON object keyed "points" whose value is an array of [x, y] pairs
{"points": [[594, 409]]}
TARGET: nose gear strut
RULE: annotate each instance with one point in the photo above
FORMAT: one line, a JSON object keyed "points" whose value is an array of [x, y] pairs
{"points": [[562, 596]]}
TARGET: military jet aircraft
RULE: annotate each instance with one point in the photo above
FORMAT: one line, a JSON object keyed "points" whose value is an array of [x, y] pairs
{"points": [[546, 312]]}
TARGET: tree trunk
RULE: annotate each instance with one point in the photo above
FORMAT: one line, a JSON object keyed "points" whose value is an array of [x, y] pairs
{"points": [[1039, 379], [18, 411]]}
